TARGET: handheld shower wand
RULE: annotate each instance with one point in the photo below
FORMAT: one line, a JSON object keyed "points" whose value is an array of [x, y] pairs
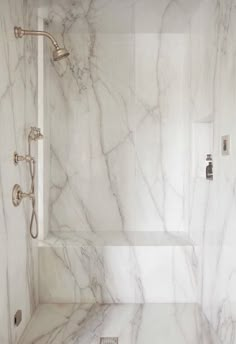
{"points": [[58, 53]]}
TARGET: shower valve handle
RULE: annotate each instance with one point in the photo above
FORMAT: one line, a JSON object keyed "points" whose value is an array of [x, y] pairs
{"points": [[18, 195], [26, 195]]}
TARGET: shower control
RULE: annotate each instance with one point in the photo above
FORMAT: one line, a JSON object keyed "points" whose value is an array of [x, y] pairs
{"points": [[17, 194], [209, 167], [17, 158], [225, 145], [16, 191]]}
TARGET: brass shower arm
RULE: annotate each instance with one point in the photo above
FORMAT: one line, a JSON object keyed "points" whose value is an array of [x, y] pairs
{"points": [[19, 33], [58, 53]]}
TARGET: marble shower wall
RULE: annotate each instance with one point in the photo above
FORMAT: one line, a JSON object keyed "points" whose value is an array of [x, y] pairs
{"points": [[126, 123], [119, 128], [213, 206], [18, 110]]}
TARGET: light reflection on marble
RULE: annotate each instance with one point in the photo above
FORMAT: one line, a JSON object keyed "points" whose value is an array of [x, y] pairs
{"points": [[132, 324]]}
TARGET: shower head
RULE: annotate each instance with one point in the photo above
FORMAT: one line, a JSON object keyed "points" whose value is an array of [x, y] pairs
{"points": [[58, 53]]}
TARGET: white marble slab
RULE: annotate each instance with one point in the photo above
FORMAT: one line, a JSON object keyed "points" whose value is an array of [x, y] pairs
{"points": [[122, 273], [126, 102], [18, 111], [132, 324], [120, 100], [213, 207]]}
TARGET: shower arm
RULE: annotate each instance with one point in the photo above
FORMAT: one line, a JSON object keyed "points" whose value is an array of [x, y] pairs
{"points": [[19, 33]]}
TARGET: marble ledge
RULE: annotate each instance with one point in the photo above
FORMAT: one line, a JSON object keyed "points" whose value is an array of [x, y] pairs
{"points": [[115, 238]]}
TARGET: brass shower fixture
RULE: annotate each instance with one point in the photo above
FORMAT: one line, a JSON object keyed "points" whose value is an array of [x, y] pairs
{"points": [[58, 53], [17, 194]]}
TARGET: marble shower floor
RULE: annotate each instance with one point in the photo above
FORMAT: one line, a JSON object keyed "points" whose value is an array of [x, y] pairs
{"points": [[132, 323]]}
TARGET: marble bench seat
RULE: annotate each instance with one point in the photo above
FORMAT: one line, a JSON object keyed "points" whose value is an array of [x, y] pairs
{"points": [[117, 267], [115, 238]]}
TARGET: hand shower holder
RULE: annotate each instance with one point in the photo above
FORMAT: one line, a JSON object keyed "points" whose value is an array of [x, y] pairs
{"points": [[17, 158]]}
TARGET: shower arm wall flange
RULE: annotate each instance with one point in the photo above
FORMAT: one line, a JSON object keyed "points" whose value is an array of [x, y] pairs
{"points": [[19, 33]]}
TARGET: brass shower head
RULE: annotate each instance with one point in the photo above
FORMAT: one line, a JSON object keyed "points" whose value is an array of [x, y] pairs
{"points": [[58, 53]]}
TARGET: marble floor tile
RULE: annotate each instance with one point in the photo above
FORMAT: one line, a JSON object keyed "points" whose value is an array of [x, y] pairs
{"points": [[132, 324]]}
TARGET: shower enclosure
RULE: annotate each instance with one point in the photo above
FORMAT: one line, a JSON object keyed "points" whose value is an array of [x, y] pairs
{"points": [[135, 174]]}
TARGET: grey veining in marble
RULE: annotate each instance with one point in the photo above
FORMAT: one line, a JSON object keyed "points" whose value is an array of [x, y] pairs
{"points": [[213, 207], [121, 111], [127, 100], [18, 109], [86, 271], [114, 165], [132, 324]]}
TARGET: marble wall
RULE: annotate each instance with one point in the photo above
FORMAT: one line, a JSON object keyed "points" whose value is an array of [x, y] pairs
{"points": [[120, 100], [114, 108], [212, 215], [18, 109], [140, 77], [122, 114]]}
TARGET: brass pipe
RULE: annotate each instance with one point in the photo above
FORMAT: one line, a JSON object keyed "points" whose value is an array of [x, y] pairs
{"points": [[58, 53], [19, 33]]}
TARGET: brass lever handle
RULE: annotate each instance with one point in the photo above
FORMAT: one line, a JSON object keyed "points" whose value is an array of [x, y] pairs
{"points": [[22, 195]]}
